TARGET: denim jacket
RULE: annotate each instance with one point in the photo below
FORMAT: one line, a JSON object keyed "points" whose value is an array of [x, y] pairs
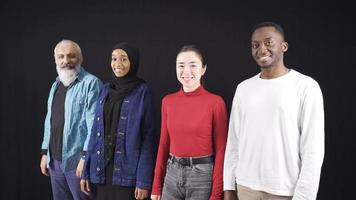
{"points": [[79, 108], [136, 141]]}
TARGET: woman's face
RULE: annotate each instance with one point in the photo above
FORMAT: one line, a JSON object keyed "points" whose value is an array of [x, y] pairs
{"points": [[190, 69], [120, 63]]}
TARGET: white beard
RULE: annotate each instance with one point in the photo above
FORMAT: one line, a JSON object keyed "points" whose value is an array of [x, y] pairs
{"points": [[66, 75]]}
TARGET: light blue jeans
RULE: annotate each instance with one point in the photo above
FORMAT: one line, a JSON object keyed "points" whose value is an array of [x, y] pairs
{"points": [[187, 182]]}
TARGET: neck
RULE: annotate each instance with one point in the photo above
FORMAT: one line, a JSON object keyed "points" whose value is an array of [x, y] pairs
{"points": [[190, 89], [273, 72]]}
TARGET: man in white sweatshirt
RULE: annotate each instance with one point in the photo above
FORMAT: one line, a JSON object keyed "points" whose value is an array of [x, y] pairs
{"points": [[275, 147]]}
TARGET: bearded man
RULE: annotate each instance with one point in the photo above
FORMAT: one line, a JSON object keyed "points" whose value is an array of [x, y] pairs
{"points": [[70, 115]]}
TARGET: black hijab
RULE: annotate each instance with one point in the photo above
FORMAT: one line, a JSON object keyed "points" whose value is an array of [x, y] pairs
{"points": [[119, 88]]}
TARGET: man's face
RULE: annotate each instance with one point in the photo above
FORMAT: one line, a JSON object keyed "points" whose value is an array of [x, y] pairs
{"points": [[67, 56], [268, 47]]}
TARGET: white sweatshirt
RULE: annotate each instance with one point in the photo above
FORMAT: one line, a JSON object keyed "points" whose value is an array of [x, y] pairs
{"points": [[276, 136]]}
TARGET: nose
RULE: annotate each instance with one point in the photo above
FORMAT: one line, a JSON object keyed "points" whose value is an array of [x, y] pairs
{"points": [[263, 48], [186, 70], [65, 60]]}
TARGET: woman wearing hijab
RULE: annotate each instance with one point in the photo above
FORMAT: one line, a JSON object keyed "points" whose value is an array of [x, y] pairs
{"points": [[121, 152]]}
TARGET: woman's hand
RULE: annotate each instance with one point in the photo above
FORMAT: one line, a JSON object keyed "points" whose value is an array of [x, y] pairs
{"points": [[141, 193], [85, 186], [155, 197]]}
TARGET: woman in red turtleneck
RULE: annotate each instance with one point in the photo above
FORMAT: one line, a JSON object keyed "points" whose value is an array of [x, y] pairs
{"points": [[193, 136]]}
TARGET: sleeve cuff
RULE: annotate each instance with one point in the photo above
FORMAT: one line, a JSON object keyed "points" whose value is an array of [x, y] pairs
{"points": [[43, 152]]}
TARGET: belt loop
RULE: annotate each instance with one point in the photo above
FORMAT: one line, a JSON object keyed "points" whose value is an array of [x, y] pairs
{"points": [[190, 161]]}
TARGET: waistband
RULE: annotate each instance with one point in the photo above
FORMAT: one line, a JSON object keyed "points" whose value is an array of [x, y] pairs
{"points": [[189, 161]]}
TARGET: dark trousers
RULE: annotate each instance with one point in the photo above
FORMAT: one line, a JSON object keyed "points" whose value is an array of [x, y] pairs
{"points": [[65, 185]]}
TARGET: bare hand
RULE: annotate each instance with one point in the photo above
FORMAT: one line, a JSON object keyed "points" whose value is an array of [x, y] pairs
{"points": [[43, 165], [230, 195], [156, 197], [85, 187], [79, 170], [141, 193]]}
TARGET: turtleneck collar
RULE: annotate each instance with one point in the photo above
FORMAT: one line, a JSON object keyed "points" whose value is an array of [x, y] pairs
{"points": [[198, 91]]}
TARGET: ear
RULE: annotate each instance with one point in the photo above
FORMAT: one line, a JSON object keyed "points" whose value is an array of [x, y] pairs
{"points": [[285, 46], [80, 59], [204, 69]]}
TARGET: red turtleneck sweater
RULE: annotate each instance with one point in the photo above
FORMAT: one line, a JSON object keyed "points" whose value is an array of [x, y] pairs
{"points": [[194, 124]]}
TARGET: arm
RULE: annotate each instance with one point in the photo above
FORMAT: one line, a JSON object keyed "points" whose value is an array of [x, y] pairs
{"points": [[46, 134], [47, 122], [231, 152], [94, 89], [148, 146], [311, 143], [93, 94], [219, 137], [162, 156]]}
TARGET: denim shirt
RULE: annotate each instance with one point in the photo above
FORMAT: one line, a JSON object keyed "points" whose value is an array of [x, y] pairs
{"points": [[136, 141], [79, 108]]}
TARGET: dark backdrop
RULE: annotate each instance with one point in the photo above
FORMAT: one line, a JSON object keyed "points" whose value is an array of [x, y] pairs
{"points": [[322, 45]]}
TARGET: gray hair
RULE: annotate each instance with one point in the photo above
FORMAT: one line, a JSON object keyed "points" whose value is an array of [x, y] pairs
{"points": [[66, 42]]}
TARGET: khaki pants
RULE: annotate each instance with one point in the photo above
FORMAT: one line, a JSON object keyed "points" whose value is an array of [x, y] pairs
{"points": [[245, 193]]}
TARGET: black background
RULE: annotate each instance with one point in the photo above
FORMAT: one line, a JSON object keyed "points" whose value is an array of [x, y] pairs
{"points": [[322, 44]]}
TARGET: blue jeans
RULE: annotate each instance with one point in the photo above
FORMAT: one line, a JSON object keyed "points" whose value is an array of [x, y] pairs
{"points": [[187, 182], [66, 185]]}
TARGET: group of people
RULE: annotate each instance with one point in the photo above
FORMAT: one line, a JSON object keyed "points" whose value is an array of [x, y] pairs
{"points": [[100, 141]]}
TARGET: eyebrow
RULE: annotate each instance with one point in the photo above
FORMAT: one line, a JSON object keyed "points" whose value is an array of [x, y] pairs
{"points": [[269, 38], [119, 55], [189, 62]]}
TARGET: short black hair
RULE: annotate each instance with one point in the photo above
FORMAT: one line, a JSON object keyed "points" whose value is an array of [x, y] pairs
{"points": [[269, 24]]}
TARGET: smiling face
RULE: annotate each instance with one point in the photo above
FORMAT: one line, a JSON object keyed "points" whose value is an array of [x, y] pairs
{"points": [[268, 47], [120, 63], [68, 58], [189, 69]]}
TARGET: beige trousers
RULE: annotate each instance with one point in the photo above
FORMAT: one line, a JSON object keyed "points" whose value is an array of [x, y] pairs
{"points": [[245, 193]]}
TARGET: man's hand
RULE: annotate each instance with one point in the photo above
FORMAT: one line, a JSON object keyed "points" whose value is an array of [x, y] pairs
{"points": [[43, 165], [230, 195], [79, 170], [141, 193], [85, 187]]}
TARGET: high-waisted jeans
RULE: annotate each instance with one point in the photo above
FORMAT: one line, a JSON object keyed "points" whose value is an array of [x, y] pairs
{"points": [[187, 182]]}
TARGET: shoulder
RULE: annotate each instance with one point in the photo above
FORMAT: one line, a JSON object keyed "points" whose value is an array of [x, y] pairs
{"points": [[247, 83], [305, 80], [170, 97], [214, 98], [88, 77]]}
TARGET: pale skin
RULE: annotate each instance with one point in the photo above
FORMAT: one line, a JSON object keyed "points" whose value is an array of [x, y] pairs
{"points": [[190, 69], [66, 55], [120, 65], [267, 49]]}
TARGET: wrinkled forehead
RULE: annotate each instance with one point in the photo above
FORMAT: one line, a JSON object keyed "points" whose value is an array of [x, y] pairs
{"points": [[66, 48]]}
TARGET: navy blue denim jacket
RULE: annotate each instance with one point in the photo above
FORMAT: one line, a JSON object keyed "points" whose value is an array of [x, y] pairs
{"points": [[136, 141]]}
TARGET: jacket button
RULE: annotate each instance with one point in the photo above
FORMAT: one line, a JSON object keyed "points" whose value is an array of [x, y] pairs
{"points": [[97, 169], [123, 117], [98, 152], [98, 118], [98, 134]]}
